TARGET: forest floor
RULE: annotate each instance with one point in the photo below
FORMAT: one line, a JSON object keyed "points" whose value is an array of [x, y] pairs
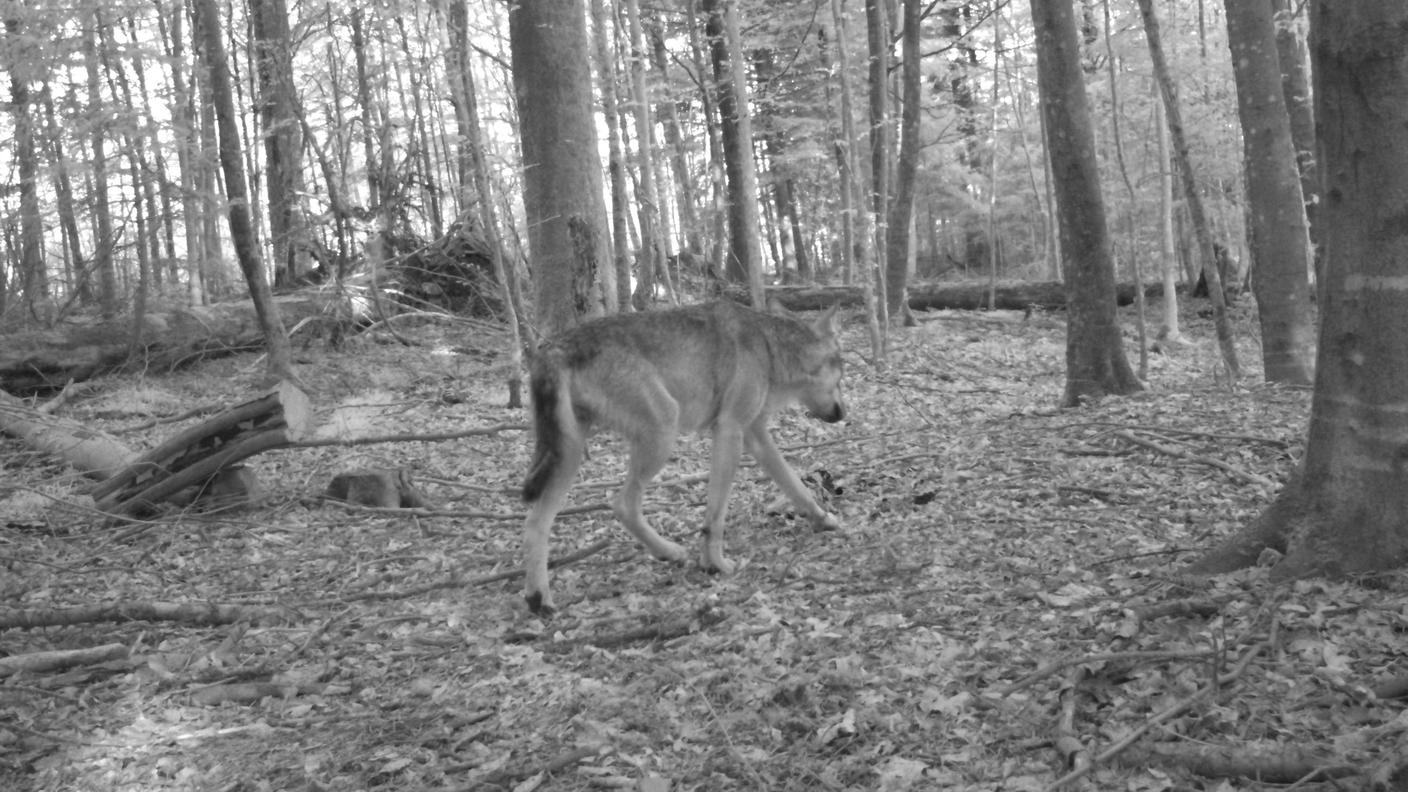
{"points": [[1003, 603]]}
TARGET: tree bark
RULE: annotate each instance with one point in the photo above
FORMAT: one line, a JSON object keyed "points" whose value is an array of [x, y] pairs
{"points": [[675, 139], [562, 188], [1295, 87], [1280, 243], [1196, 214], [1345, 511], [1095, 361], [653, 242], [745, 260], [898, 242], [283, 138], [207, 22], [877, 30], [616, 294]]}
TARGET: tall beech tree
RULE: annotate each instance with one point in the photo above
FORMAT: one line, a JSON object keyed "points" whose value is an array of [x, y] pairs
{"points": [[1095, 361], [1280, 242], [901, 210], [1345, 510], [221, 98], [1197, 214], [562, 185], [745, 259]]}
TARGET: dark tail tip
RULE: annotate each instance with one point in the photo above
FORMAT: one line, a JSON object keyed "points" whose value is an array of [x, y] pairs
{"points": [[547, 434], [544, 463]]}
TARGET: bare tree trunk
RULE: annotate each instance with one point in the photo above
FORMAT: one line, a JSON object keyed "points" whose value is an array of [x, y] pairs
{"points": [[1095, 361], [562, 188], [207, 28], [1295, 88], [1345, 511], [616, 293], [102, 217], [1280, 241], [878, 36], [1194, 199], [283, 136], [901, 211], [745, 260], [653, 253], [463, 84], [850, 166], [674, 138], [1168, 250]]}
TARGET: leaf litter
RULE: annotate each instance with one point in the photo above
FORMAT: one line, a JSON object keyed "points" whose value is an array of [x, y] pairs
{"points": [[1002, 610]]}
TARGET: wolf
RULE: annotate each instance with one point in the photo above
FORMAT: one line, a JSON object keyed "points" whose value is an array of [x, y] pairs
{"points": [[650, 376]]}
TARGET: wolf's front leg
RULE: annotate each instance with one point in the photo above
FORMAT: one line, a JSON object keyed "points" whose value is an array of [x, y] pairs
{"points": [[763, 449], [728, 446]]}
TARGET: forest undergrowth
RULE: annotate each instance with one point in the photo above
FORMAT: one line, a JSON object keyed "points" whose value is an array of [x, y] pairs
{"points": [[1003, 608]]}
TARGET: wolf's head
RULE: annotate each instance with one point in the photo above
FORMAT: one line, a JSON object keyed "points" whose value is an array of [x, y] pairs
{"points": [[822, 370]]}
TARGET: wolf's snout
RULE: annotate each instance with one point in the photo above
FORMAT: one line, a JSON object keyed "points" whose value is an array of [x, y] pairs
{"points": [[836, 414]]}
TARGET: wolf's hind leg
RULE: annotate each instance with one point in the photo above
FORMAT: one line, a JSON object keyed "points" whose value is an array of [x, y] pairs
{"points": [[537, 589], [650, 450]]}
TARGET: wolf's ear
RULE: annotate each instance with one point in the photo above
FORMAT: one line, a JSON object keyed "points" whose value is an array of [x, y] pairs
{"points": [[826, 325], [775, 307]]}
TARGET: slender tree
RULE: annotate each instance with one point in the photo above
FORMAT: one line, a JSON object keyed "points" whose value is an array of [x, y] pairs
{"points": [[102, 211], [1295, 86], [283, 136], [745, 260], [1095, 361], [1345, 510], [208, 34], [654, 244], [898, 241], [877, 29], [562, 186], [1194, 199], [1280, 242], [618, 294]]}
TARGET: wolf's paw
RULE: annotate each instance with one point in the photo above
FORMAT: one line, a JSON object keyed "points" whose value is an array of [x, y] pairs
{"points": [[717, 564], [826, 522], [540, 604], [669, 551]]}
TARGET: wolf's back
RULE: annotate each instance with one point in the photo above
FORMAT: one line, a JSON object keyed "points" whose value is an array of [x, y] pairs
{"points": [[545, 387]]}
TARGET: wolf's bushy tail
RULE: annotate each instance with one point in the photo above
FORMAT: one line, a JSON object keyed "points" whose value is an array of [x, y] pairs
{"points": [[546, 388]]}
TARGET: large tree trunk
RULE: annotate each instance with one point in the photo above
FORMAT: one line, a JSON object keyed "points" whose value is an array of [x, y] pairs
{"points": [[1194, 199], [562, 189], [1280, 244], [1345, 511], [745, 260], [616, 289], [1095, 361], [653, 243], [283, 136], [899, 241], [476, 188], [102, 211], [877, 30], [1295, 87], [279, 365], [853, 186]]}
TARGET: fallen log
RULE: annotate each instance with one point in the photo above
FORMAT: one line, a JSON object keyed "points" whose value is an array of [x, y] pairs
{"points": [[930, 296], [43, 361], [91, 452]]}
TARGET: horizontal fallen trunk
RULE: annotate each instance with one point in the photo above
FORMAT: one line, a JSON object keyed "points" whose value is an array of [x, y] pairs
{"points": [[43, 361], [929, 296]]}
